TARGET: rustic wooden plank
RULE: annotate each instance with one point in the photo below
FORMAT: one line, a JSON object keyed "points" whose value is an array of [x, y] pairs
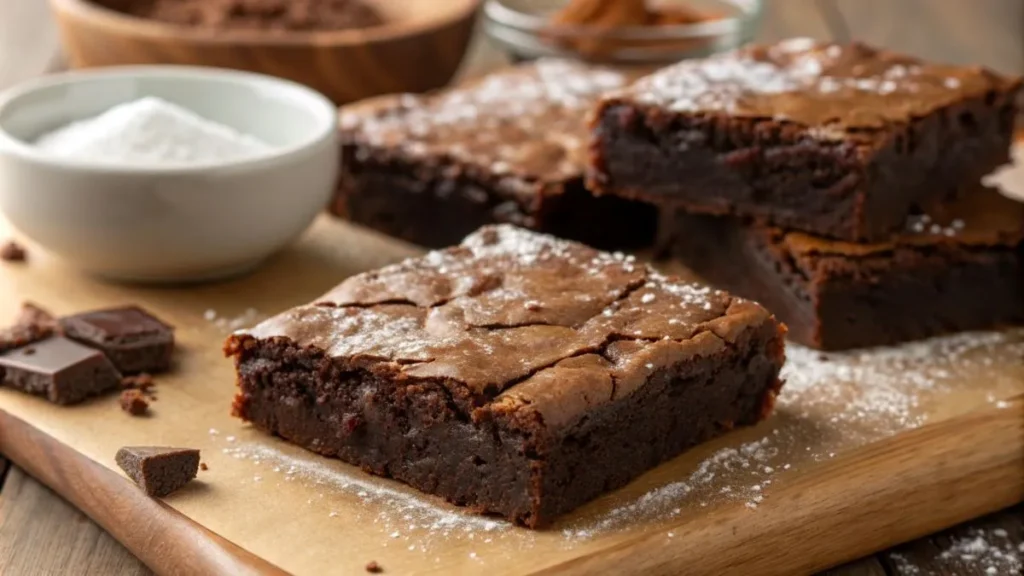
{"points": [[977, 32], [793, 18], [41, 533]]}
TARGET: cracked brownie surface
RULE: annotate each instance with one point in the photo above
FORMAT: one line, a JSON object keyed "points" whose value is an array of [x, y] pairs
{"points": [[839, 140], [523, 357], [508, 147]]}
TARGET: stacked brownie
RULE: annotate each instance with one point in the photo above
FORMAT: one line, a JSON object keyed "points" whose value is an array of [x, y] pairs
{"points": [[508, 148], [838, 184]]}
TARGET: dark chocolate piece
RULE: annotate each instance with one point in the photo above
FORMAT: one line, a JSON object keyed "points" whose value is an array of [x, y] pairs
{"points": [[510, 147], [517, 373], [959, 268], [62, 370], [159, 470], [133, 339], [841, 141], [373, 567], [134, 402]]}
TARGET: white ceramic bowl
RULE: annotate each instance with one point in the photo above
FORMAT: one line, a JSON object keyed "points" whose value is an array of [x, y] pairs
{"points": [[168, 224]]}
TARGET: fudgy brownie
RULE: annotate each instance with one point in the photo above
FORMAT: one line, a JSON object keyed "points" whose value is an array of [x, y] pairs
{"points": [[517, 374], [958, 268], [842, 141], [507, 148]]}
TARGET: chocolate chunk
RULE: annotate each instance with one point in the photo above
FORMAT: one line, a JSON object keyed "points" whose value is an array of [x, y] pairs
{"points": [[11, 251], [134, 402], [133, 339], [62, 370], [373, 568], [159, 470]]}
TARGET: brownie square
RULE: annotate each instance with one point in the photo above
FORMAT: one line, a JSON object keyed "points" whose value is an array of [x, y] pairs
{"points": [[517, 373], [957, 268], [507, 148], [841, 141], [133, 339]]}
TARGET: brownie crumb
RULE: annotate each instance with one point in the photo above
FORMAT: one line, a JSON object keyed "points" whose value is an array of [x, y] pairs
{"points": [[11, 251], [159, 470], [32, 314], [373, 568], [134, 403], [32, 325], [203, 466]]}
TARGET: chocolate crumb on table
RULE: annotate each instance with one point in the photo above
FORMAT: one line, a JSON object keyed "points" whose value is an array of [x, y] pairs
{"points": [[133, 339], [32, 325], [158, 470], [492, 372], [373, 567], [840, 141], [134, 402], [510, 147], [11, 251], [203, 466], [62, 370]]}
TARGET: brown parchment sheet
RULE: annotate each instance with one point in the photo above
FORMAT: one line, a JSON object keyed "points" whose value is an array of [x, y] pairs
{"points": [[311, 515]]}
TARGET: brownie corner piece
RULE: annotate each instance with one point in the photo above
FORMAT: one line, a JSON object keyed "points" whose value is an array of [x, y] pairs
{"points": [[509, 147], [158, 470], [840, 141], [496, 372]]}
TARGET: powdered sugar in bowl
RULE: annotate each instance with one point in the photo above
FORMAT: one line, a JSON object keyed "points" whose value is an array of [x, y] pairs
{"points": [[164, 173]]}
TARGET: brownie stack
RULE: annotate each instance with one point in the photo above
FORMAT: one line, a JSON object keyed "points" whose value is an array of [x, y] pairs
{"points": [[839, 185]]}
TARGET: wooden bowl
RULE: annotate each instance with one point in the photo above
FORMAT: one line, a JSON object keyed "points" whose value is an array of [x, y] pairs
{"points": [[419, 49]]}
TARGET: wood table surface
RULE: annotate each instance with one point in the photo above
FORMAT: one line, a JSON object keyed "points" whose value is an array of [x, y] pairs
{"points": [[40, 533]]}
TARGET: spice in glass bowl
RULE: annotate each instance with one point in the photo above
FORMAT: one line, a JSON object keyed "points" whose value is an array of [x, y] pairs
{"points": [[614, 14], [630, 32]]}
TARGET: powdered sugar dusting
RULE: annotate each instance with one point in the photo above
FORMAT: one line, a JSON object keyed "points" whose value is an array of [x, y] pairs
{"points": [[880, 391], [979, 551], [398, 513], [249, 317]]}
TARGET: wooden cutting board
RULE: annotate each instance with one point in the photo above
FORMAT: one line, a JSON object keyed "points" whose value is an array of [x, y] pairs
{"points": [[866, 449]]}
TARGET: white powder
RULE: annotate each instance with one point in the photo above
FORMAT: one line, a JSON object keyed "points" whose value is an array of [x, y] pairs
{"points": [[153, 132]]}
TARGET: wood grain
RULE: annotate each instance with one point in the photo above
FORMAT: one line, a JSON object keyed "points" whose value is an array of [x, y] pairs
{"points": [[166, 541], [839, 499], [41, 533], [420, 48]]}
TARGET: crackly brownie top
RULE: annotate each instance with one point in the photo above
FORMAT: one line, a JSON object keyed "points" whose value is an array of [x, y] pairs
{"points": [[817, 84], [528, 121], [981, 218], [512, 316]]}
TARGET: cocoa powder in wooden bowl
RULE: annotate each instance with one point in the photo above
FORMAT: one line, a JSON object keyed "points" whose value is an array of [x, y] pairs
{"points": [[347, 49]]}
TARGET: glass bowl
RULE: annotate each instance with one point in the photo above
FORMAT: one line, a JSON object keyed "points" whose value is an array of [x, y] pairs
{"points": [[524, 28]]}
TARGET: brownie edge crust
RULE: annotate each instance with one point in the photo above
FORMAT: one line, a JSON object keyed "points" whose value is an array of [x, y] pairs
{"points": [[515, 374]]}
